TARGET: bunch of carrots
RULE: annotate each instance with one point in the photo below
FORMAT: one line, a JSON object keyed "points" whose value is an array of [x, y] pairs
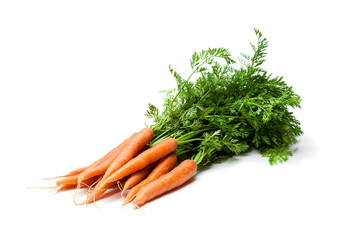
{"points": [[225, 111], [146, 172]]}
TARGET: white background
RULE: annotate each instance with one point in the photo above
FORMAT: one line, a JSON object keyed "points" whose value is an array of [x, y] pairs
{"points": [[76, 78]]}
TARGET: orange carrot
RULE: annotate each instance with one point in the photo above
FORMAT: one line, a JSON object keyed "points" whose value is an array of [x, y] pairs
{"points": [[136, 143], [64, 183], [108, 186], [137, 177], [100, 166], [164, 166], [86, 183], [147, 157], [86, 170], [133, 178], [71, 183], [175, 178], [73, 180], [68, 180]]}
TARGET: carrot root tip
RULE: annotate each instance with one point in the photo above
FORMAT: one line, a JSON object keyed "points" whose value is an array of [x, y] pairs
{"points": [[50, 178], [120, 185], [51, 187], [138, 207]]}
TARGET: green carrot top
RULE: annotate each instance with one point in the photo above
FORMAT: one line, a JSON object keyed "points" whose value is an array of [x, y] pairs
{"points": [[228, 109]]}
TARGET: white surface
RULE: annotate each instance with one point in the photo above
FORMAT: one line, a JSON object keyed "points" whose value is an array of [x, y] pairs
{"points": [[76, 78]]}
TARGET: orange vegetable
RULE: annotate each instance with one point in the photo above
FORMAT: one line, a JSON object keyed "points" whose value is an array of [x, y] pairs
{"points": [[164, 166], [147, 157], [137, 177], [137, 143], [100, 166], [175, 178], [72, 180]]}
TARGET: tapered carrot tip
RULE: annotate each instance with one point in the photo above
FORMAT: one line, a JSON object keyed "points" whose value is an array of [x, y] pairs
{"points": [[91, 198], [177, 177], [128, 201], [161, 168]]}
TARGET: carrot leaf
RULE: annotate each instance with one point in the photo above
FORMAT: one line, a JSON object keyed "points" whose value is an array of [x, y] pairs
{"points": [[228, 109]]}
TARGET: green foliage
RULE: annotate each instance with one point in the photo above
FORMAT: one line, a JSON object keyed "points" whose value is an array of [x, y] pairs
{"points": [[228, 110]]}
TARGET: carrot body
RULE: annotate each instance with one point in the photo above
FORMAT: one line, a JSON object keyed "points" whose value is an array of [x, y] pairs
{"points": [[147, 157], [88, 172], [178, 176], [136, 143], [71, 182], [100, 166], [137, 177], [164, 166], [68, 180], [77, 171]]}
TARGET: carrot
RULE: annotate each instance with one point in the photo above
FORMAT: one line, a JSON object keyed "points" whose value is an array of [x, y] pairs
{"points": [[164, 166], [136, 178], [147, 157], [111, 185], [72, 180], [178, 176], [108, 186], [86, 171], [98, 178], [68, 180], [132, 180], [136, 143], [99, 167], [71, 183], [87, 183]]}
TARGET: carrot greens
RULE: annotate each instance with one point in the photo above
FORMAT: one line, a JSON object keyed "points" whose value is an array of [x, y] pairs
{"points": [[228, 109]]}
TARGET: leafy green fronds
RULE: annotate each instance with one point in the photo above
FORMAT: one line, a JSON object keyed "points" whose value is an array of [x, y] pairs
{"points": [[228, 110], [152, 112], [209, 57], [260, 50], [177, 77], [277, 155]]}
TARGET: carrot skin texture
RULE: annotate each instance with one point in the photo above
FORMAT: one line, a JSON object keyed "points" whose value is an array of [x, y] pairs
{"points": [[175, 178], [164, 166], [68, 180], [68, 183], [84, 170], [104, 162], [72, 180], [137, 177], [147, 157], [100, 166], [136, 144]]}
